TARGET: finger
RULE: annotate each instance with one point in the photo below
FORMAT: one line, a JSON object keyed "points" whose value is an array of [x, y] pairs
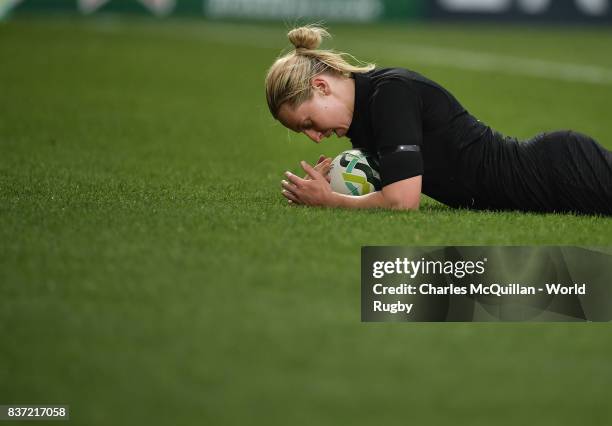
{"points": [[311, 171], [290, 197], [296, 180], [327, 175], [323, 163], [288, 186], [321, 158], [324, 168]]}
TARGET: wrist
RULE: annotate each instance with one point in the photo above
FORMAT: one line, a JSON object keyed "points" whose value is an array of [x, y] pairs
{"points": [[354, 202], [334, 200]]}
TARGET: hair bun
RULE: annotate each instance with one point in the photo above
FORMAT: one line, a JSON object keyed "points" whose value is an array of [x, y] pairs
{"points": [[308, 37]]}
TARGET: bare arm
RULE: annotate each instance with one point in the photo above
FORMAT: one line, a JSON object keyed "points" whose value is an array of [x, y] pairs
{"points": [[402, 195]]}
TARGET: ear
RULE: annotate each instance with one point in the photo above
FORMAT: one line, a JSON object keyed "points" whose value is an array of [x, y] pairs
{"points": [[321, 84]]}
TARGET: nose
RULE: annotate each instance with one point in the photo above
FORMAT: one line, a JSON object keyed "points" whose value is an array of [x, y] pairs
{"points": [[314, 135]]}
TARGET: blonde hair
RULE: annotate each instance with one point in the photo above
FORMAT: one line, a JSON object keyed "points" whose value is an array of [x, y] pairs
{"points": [[288, 79]]}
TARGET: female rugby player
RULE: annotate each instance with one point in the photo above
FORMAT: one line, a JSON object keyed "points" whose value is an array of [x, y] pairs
{"points": [[426, 142]]}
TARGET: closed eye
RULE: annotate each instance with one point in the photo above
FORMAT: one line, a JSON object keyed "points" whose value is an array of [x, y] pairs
{"points": [[306, 125]]}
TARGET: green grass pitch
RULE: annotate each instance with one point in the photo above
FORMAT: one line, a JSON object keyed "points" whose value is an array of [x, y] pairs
{"points": [[151, 273]]}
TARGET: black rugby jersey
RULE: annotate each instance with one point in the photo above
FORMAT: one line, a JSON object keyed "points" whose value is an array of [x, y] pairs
{"points": [[416, 127]]}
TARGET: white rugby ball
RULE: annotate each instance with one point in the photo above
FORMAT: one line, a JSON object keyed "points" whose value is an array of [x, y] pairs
{"points": [[355, 172]]}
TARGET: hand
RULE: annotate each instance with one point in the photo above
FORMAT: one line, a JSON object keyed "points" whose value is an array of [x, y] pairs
{"points": [[314, 191], [323, 166]]}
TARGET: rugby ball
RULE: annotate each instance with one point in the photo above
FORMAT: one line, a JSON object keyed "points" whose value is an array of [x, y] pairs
{"points": [[355, 172]]}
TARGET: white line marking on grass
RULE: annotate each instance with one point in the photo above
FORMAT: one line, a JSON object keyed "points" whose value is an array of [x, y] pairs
{"points": [[266, 38], [482, 62]]}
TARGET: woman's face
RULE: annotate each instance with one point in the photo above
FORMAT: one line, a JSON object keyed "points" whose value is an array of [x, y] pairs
{"points": [[328, 111]]}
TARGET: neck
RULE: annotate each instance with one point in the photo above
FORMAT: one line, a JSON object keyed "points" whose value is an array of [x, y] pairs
{"points": [[346, 92]]}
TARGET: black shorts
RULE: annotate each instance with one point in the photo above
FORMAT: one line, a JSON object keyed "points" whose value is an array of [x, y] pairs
{"points": [[576, 169]]}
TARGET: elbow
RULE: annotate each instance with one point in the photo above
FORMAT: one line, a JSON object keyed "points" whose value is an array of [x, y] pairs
{"points": [[404, 204], [403, 195]]}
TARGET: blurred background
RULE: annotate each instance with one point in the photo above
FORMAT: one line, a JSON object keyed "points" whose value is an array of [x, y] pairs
{"points": [[151, 273], [561, 11]]}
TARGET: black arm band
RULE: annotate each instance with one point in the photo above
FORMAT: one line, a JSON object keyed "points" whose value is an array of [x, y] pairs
{"points": [[400, 165], [400, 148]]}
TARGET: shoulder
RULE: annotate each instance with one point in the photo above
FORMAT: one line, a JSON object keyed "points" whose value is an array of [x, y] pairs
{"points": [[399, 77], [404, 80], [393, 87]]}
